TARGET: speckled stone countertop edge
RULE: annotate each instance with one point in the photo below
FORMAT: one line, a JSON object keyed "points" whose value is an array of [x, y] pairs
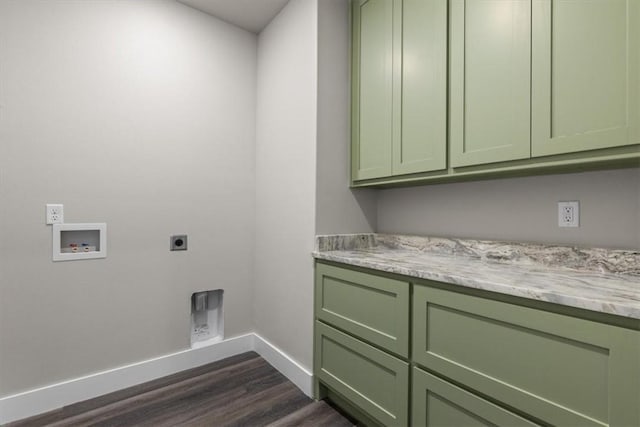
{"points": [[531, 271], [616, 261]]}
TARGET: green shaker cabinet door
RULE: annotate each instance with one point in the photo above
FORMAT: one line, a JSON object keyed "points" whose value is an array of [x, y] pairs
{"points": [[562, 370], [371, 379], [490, 81], [422, 147], [437, 403], [372, 88], [371, 307], [585, 75]]}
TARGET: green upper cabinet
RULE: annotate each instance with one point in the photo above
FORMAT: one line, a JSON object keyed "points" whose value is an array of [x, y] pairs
{"points": [[398, 116], [422, 145], [490, 81], [372, 86], [585, 75], [446, 90]]}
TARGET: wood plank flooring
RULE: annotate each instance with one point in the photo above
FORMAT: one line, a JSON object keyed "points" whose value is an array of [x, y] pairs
{"points": [[242, 390]]}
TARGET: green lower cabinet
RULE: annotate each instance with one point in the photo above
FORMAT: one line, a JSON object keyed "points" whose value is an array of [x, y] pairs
{"points": [[371, 307], [374, 381], [474, 358], [559, 369], [436, 402]]}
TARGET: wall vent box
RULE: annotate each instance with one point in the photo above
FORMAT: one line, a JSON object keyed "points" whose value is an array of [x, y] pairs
{"points": [[207, 319], [79, 241]]}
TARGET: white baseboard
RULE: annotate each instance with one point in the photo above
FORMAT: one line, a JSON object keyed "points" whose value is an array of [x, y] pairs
{"points": [[291, 369], [44, 399]]}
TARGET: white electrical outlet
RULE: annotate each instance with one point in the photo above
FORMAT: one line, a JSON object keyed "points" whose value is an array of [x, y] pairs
{"points": [[55, 214], [569, 214]]}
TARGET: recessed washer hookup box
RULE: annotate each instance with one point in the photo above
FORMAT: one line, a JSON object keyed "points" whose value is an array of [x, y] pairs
{"points": [[79, 241]]}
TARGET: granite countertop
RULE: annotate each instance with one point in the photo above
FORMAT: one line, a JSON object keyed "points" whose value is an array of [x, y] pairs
{"points": [[602, 280]]}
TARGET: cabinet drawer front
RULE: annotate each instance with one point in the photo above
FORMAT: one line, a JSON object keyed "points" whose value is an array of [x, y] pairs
{"points": [[373, 308], [439, 403], [560, 369], [371, 379]]}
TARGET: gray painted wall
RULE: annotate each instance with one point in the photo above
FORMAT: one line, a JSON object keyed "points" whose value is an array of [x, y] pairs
{"points": [[338, 208], [521, 209], [286, 179], [139, 114]]}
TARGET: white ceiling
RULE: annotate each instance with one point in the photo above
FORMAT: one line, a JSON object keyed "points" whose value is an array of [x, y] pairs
{"points": [[252, 15]]}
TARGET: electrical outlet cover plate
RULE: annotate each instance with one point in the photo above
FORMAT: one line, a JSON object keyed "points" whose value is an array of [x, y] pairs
{"points": [[178, 242], [569, 214], [55, 213]]}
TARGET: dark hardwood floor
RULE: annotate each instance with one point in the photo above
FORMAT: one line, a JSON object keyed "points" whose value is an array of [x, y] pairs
{"points": [[243, 390]]}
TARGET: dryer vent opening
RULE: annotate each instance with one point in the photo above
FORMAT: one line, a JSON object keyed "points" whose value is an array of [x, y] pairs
{"points": [[207, 320]]}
